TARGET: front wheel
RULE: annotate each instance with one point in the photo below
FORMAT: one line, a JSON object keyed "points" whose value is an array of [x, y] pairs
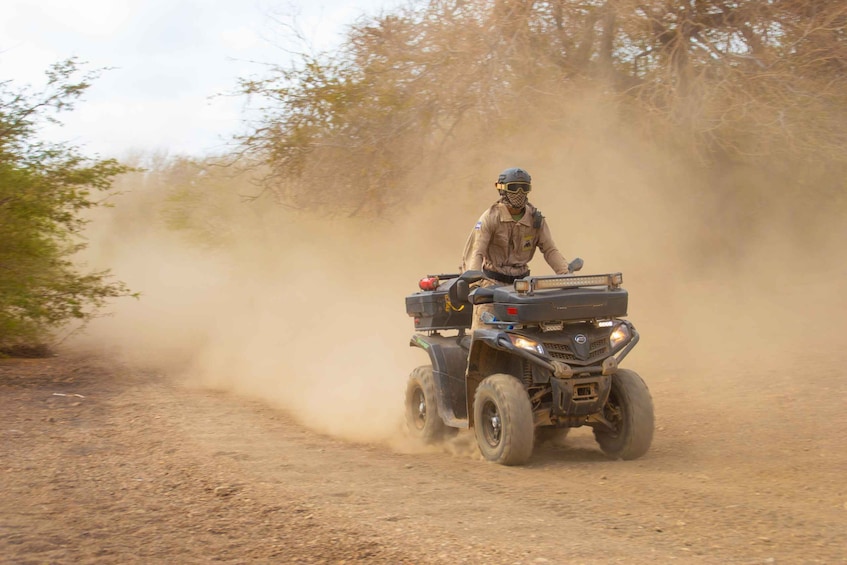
{"points": [[422, 417], [503, 420], [629, 410]]}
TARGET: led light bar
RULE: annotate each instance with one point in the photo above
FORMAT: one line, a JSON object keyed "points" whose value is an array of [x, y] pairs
{"points": [[530, 284]]}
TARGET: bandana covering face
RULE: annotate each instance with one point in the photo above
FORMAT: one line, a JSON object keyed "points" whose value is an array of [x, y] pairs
{"points": [[516, 200]]}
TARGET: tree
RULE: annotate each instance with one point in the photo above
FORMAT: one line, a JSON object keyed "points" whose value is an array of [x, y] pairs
{"points": [[733, 89], [44, 190]]}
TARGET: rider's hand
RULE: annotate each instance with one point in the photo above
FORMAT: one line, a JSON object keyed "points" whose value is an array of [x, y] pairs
{"points": [[575, 265]]}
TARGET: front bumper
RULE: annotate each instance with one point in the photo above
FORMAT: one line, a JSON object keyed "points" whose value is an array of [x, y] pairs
{"points": [[561, 369], [579, 396]]}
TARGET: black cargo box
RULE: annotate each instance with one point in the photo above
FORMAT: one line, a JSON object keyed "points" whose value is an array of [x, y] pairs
{"points": [[431, 311], [559, 304]]}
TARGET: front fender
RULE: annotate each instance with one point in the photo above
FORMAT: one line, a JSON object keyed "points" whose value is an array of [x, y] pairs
{"points": [[486, 340], [488, 355]]}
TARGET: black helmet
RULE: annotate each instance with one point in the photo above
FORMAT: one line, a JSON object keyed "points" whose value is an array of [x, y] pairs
{"points": [[514, 174], [514, 179]]}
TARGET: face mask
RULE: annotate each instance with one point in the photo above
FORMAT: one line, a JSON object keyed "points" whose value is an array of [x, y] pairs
{"points": [[515, 200]]}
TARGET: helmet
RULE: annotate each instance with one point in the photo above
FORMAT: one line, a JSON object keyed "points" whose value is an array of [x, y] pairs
{"points": [[514, 184], [513, 175]]}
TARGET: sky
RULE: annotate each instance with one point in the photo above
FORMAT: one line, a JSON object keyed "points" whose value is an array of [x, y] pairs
{"points": [[170, 63]]}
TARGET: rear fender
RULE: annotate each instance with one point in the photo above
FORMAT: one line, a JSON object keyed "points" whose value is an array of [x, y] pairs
{"points": [[448, 360]]}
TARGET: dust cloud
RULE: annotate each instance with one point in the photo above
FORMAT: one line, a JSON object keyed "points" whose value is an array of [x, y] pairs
{"points": [[307, 312]]}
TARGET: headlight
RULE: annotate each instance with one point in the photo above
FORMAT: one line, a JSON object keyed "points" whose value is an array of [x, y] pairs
{"points": [[526, 343], [619, 335]]}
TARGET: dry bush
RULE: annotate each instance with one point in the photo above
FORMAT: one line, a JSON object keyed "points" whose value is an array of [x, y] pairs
{"points": [[750, 97]]}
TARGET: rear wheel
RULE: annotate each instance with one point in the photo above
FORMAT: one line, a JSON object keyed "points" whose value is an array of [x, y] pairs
{"points": [[503, 420], [629, 410], [422, 417]]}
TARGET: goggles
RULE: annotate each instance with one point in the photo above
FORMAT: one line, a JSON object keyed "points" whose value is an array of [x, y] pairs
{"points": [[515, 187]]}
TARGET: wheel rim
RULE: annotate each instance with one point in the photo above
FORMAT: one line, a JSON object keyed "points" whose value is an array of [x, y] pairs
{"points": [[418, 408], [492, 425]]}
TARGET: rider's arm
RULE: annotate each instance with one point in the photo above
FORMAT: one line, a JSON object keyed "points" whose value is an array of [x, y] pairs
{"points": [[551, 253], [478, 243]]}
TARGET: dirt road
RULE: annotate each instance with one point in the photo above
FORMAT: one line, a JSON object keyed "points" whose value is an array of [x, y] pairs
{"points": [[104, 463]]}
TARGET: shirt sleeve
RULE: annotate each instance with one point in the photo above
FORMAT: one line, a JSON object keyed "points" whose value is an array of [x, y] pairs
{"points": [[466, 256], [551, 253], [478, 243]]}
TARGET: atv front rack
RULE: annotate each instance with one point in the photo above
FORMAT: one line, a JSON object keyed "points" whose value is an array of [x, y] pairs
{"points": [[528, 285]]}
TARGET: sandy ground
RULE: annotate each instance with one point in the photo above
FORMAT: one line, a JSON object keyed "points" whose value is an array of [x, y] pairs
{"points": [[103, 463]]}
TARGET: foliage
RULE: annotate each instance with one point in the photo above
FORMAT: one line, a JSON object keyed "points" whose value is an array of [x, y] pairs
{"points": [[196, 199], [44, 191], [758, 85]]}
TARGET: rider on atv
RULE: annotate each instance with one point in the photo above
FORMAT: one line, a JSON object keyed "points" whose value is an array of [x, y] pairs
{"points": [[504, 239]]}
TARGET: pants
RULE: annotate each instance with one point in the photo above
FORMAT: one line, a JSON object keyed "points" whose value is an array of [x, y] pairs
{"points": [[478, 309]]}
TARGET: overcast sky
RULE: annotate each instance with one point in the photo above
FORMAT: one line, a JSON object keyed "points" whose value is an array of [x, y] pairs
{"points": [[169, 59]]}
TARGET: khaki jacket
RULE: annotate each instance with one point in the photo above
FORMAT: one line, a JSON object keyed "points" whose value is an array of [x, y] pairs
{"points": [[500, 244]]}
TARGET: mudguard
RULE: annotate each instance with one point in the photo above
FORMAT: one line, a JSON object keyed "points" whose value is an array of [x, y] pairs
{"points": [[449, 359], [489, 355], [493, 347]]}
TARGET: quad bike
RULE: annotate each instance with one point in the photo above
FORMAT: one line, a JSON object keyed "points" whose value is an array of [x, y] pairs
{"points": [[546, 360]]}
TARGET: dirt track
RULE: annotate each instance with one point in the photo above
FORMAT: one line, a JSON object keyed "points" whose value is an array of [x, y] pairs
{"points": [[103, 463]]}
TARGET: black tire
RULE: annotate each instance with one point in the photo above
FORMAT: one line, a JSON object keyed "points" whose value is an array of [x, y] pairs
{"points": [[630, 410], [422, 419], [551, 436], [503, 420]]}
